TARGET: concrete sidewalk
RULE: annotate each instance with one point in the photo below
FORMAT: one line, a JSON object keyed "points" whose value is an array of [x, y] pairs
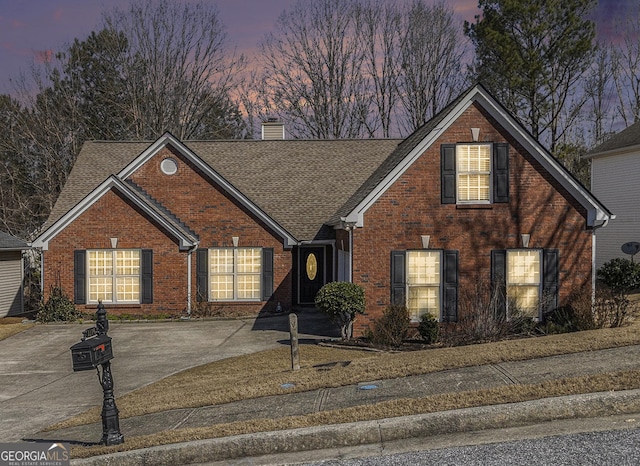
{"points": [[373, 432]]}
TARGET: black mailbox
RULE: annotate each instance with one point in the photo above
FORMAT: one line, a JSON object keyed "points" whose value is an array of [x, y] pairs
{"points": [[91, 352]]}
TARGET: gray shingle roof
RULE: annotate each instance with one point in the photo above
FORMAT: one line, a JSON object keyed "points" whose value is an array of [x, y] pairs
{"points": [[9, 242], [397, 156], [299, 184], [628, 137]]}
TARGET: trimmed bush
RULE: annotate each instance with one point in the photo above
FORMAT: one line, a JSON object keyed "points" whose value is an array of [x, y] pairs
{"points": [[342, 302], [58, 308], [429, 328], [391, 329], [620, 275]]}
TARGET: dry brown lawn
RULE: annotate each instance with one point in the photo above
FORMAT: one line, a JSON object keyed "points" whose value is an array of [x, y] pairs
{"points": [[262, 374], [11, 325]]}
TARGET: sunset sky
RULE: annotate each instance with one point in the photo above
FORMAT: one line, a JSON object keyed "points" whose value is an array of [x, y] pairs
{"points": [[31, 30]]}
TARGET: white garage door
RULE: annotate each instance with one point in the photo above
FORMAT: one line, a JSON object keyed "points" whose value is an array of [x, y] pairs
{"points": [[10, 283]]}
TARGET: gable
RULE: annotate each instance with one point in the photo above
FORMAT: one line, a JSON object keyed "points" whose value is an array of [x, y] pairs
{"points": [[428, 136], [291, 186], [185, 238]]}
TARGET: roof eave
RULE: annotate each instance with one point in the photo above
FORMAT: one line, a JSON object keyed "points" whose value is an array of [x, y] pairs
{"points": [[185, 241], [596, 212]]}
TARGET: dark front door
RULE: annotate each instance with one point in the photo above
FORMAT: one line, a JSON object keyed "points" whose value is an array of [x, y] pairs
{"points": [[312, 273]]}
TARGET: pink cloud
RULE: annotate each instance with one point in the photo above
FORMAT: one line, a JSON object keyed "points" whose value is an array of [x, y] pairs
{"points": [[43, 56]]}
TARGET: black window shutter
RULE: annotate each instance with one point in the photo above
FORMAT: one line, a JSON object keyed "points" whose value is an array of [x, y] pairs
{"points": [[267, 273], [80, 276], [398, 280], [500, 172], [550, 281], [450, 286], [202, 274], [499, 278], [448, 173], [147, 276]]}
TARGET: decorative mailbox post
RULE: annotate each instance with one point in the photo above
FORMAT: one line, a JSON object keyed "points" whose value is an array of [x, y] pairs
{"points": [[95, 350]]}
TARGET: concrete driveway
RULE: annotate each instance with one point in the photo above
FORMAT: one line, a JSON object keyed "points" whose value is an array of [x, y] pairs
{"points": [[38, 386]]}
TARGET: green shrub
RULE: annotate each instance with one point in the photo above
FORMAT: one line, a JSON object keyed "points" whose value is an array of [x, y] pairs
{"points": [[391, 329], [620, 275], [58, 308], [429, 328], [342, 302]]}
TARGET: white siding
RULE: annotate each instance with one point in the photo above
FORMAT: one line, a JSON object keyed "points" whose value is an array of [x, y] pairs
{"points": [[10, 283], [615, 181]]}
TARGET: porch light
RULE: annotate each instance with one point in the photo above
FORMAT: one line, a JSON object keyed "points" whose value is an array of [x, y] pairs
{"points": [[425, 241]]}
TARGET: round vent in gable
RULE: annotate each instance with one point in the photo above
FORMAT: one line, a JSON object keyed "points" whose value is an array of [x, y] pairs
{"points": [[169, 166]]}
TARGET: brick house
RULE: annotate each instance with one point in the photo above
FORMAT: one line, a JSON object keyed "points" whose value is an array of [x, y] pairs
{"points": [[240, 226]]}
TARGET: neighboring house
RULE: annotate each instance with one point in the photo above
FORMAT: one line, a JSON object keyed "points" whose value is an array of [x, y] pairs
{"points": [[615, 179], [11, 275], [241, 226]]}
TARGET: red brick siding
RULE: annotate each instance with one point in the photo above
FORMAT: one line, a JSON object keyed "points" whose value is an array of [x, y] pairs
{"points": [[411, 207], [205, 209]]}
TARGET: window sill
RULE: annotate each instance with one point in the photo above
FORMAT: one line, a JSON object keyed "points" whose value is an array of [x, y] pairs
{"points": [[114, 305], [474, 206]]}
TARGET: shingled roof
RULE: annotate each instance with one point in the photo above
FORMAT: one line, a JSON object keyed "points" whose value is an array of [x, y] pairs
{"points": [[299, 184], [628, 137], [11, 243]]}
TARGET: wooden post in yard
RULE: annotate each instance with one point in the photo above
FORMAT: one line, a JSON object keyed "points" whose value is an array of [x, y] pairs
{"points": [[293, 333]]}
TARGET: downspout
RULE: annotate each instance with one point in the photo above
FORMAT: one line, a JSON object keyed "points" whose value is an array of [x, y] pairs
{"points": [[189, 281], [350, 229], [593, 257]]}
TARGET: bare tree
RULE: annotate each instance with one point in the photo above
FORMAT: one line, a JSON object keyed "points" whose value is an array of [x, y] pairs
{"points": [[600, 91], [313, 70], [431, 61], [381, 31], [626, 59], [179, 69]]}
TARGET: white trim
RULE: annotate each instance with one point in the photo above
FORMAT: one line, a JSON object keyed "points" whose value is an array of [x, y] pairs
{"points": [[168, 138], [106, 186], [596, 212]]}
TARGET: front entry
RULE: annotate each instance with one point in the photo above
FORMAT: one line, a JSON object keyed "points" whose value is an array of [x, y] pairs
{"points": [[311, 272]]}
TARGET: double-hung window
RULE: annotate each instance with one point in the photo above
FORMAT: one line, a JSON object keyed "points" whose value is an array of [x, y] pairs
{"points": [[426, 281], [473, 172], [235, 274], [114, 275], [423, 283], [524, 274]]}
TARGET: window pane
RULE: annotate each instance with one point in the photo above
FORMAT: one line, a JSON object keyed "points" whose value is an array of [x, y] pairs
{"points": [[249, 286], [473, 187], [423, 300], [524, 298], [249, 260], [100, 262], [222, 287], [128, 289], [523, 267], [221, 260], [127, 262], [423, 267], [100, 289]]}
